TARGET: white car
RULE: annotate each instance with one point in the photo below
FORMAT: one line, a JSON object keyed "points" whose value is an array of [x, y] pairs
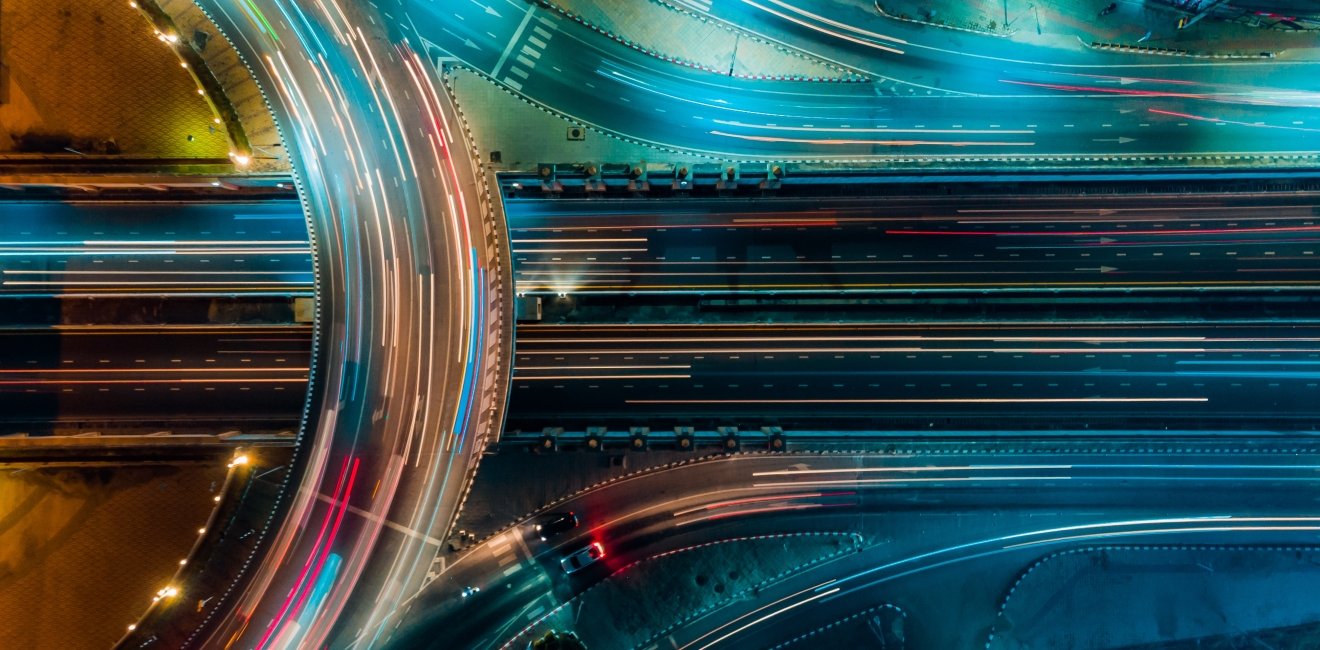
{"points": [[583, 557]]}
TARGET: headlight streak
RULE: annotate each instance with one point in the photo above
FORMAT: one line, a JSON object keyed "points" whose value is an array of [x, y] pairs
{"points": [[1208, 523], [882, 129], [823, 30], [339, 503], [357, 227], [853, 141], [838, 587], [819, 594], [1255, 125], [931, 400]]}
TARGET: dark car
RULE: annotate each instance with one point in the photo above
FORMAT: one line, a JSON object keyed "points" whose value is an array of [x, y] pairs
{"points": [[585, 556], [556, 524]]}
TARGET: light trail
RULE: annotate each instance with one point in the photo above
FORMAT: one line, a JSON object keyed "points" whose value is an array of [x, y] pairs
{"points": [[932, 400], [753, 613], [751, 500], [1158, 531], [765, 618], [823, 30], [890, 143], [181, 380], [524, 251], [643, 367], [573, 240], [818, 129], [909, 350], [1217, 120], [927, 339], [928, 468], [517, 377], [902, 481], [761, 511]]}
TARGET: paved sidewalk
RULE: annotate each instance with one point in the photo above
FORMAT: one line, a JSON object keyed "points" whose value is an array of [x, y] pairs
{"points": [[658, 28], [1064, 22], [90, 75]]}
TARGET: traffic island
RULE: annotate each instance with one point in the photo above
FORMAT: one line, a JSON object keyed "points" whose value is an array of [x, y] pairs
{"points": [[1157, 596]]}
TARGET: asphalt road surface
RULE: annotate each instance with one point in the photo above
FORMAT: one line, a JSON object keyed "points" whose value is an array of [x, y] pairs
{"points": [[403, 363], [151, 248], [188, 375], [1042, 245], [934, 93], [917, 513], [919, 376]]}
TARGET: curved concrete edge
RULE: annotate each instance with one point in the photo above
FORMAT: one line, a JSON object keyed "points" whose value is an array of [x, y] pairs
{"points": [[497, 376], [787, 49], [387, 443], [879, 8], [996, 637], [843, 76], [230, 86], [925, 164]]}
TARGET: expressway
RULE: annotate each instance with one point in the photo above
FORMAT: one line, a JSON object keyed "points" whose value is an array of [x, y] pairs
{"points": [[950, 505], [172, 376], [129, 249], [408, 358], [919, 375], [99, 292], [934, 94], [1023, 243], [409, 349]]}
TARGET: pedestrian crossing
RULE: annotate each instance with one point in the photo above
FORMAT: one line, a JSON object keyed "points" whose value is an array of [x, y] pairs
{"points": [[526, 48], [702, 6]]}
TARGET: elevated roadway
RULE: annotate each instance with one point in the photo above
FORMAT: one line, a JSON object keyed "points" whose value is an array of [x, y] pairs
{"points": [[112, 377], [407, 367], [919, 376], [135, 248], [1038, 244]]}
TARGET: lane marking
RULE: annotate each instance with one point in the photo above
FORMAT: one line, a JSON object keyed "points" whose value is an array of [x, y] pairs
{"points": [[513, 42]]}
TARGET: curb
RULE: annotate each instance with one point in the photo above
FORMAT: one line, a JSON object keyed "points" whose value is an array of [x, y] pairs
{"points": [[736, 29], [825, 628], [493, 228], [738, 595], [1164, 51], [211, 88], [850, 78], [1035, 162], [1003, 605], [969, 30]]}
